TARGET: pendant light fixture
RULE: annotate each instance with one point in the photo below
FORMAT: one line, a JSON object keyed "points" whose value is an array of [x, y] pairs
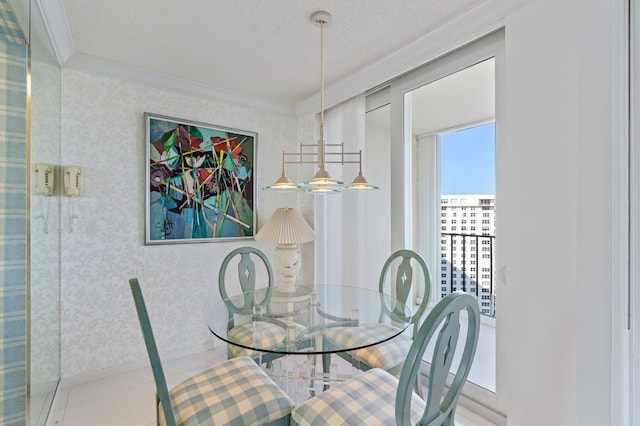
{"points": [[317, 153]]}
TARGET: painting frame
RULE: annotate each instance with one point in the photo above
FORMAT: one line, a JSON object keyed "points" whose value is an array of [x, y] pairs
{"points": [[200, 183]]}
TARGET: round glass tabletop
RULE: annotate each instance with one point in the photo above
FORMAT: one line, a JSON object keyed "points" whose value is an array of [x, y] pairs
{"points": [[295, 322]]}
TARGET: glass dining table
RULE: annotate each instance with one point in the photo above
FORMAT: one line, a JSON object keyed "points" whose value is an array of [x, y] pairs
{"points": [[275, 325]]}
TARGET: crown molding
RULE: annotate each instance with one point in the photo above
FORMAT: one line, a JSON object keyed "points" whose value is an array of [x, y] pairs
{"points": [[475, 23], [482, 20], [57, 28], [93, 65]]}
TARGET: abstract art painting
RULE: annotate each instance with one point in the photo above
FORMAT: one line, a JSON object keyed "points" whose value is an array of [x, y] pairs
{"points": [[200, 182]]}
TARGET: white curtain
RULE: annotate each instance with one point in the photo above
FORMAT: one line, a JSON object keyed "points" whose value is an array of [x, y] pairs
{"points": [[338, 217]]}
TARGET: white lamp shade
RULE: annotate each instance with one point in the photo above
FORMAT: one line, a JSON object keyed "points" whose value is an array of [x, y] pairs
{"points": [[285, 226]]}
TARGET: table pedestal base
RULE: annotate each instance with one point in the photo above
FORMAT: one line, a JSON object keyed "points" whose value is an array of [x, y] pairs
{"points": [[301, 376]]}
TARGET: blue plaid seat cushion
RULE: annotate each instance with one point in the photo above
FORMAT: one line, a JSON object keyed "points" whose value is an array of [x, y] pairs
{"points": [[235, 392], [268, 335], [368, 399], [387, 355]]}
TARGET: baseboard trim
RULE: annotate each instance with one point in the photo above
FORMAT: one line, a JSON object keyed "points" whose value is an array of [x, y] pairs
{"points": [[482, 411]]}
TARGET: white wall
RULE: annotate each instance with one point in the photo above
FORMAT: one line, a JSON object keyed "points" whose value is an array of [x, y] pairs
{"points": [[103, 131], [558, 213]]}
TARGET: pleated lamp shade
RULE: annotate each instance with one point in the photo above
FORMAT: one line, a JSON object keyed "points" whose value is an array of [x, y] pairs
{"points": [[286, 226]]}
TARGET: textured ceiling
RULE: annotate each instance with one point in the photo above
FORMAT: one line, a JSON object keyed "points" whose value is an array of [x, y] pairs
{"points": [[267, 49]]}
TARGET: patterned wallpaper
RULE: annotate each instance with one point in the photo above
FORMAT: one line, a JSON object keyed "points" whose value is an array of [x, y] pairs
{"points": [[102, 231]]}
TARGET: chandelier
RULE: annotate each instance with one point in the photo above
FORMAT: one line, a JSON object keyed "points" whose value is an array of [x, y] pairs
{"points": [[317, 153]]}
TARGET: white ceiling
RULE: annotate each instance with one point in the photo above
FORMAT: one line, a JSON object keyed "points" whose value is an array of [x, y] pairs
{"points": [[264, 49]]}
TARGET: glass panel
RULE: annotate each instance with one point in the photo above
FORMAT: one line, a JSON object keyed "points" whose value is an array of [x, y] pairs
{"points": [[377, 205], [45, 241], [44, 235], [454, 173]]}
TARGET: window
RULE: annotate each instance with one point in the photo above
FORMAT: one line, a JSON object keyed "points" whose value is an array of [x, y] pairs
{"points": [[433, 196]]}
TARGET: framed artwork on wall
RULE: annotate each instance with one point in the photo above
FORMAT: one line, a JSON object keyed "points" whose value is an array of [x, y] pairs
{"points": [[200, 182]]}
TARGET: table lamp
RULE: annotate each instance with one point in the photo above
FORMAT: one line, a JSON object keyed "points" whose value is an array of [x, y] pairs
{"points": [[286, 228]]}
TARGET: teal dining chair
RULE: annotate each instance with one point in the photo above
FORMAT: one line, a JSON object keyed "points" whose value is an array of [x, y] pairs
{"points": [[389, 355], [271, 334], [377, 397], [234, 392]]}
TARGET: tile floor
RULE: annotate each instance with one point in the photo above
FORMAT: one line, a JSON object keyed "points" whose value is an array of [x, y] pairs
{"points": [[128, 399]]}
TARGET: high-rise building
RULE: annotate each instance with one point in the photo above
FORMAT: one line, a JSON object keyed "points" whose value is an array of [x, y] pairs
{"points": [[468, 248]]}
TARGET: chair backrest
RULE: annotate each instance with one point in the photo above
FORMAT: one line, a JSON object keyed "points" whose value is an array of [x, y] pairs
{"points": [[152, 351], [404, 283], [247, 280], [441, 400]]}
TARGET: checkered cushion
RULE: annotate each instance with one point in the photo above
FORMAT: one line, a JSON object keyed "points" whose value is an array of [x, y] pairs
{"points": [[369, 399], [235, 392], [269, 335], [385, 355]]}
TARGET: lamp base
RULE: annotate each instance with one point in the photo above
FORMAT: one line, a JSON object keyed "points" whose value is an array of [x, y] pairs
{"points": [[287, 265]]}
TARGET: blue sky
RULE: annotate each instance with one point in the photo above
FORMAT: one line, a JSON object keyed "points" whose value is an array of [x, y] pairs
{"points": [[468, 161]]}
